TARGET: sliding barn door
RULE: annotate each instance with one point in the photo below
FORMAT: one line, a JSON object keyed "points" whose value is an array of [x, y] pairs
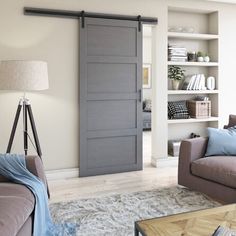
{"points": [[110, 96]]}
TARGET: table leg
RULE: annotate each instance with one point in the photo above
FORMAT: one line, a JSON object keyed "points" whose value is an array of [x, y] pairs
{"points": [[136, 231]]}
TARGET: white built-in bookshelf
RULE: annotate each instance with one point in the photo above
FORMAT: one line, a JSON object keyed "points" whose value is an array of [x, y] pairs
{"points": [[205, 38]]}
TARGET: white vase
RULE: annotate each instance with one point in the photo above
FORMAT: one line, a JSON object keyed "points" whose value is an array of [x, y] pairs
{"points": [[175, 84], [200, 59], [211, 83], [206, 58]]}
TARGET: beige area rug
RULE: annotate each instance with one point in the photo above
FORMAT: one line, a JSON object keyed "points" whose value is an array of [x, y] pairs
{"points": [[115, 215]]}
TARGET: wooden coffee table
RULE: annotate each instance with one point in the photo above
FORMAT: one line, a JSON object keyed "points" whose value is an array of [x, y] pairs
{"points": [[197, 223]]}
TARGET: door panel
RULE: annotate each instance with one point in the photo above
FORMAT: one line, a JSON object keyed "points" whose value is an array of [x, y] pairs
{"points": [[111, 78], [106, 40], [112, 115], [110, 102], [105, 152]]}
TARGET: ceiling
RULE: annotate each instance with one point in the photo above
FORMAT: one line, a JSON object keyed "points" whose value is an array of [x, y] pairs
{"points": [[228, 1]]}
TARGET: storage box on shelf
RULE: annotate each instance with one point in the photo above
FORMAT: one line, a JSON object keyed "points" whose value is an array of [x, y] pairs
{"points": [[199, 109], [173, 147]]}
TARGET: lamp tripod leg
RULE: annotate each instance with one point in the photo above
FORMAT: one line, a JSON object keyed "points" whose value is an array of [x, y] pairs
{"points": [[25, 128], [35, 134], [9, 146]]}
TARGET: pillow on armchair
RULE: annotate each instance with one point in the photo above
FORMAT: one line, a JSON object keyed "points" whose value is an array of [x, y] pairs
{"points": [[232, 121], [221, 142]]}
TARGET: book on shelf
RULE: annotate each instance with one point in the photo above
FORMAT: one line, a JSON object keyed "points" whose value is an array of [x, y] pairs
{"points": [[177, 53], [176, 47], [201, 82], [186, 82], [194, 82], [180, 50], [178, 59], [202, 85]]}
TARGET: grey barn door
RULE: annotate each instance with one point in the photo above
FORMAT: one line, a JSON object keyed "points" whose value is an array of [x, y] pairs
{"points": [[110, 96]]}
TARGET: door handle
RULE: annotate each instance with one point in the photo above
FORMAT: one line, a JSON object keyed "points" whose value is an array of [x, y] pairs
{"points": [[140, 95]]}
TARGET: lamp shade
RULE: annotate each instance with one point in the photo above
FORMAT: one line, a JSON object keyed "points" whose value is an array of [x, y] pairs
{"points": [[23, 75]]}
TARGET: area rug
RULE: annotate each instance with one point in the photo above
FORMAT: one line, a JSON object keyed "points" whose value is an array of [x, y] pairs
{"points": [[115, 215]]}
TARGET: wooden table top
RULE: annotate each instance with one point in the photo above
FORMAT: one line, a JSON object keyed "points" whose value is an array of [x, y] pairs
{"points": [[197, 223]]}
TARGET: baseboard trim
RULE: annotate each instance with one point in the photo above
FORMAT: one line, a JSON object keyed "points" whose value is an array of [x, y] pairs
{"points": [[74, 172], [165, 162], [62, 174]]}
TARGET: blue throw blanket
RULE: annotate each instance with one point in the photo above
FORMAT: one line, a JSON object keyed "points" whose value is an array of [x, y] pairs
{"points": [[13, 167]]}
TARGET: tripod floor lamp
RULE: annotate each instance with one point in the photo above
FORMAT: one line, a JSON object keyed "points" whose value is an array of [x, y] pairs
{"points": [[24, 76]]}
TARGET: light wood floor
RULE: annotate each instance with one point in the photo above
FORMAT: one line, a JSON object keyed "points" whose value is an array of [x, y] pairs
{"points": [[149, 178]]}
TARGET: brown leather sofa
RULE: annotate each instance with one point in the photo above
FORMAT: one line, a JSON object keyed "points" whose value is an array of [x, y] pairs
{"points": [[17, 202], [214, 176]]}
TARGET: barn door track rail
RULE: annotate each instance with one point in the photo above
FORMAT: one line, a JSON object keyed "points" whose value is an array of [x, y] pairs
{"points": [[84, 14]]}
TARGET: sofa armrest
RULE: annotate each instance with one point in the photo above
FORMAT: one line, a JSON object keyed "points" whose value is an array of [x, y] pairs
{"points": [[190, 150], [35, 166], [193, 149], [3, 179]]}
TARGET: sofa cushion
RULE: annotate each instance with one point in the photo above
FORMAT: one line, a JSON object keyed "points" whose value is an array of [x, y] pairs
{"points": [[220, 169], [16, 205], [221, 142]]}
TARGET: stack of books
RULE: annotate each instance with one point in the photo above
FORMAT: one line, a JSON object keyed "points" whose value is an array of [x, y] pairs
{"points": [[177, 53], [194, 82]]}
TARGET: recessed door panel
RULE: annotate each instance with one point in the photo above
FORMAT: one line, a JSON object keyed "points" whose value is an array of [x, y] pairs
{"points": [[112, 78], [105, 152], [110, 40], [112, 115]]}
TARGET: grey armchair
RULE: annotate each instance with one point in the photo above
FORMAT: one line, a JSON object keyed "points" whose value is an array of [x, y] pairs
{"points": [[214, 176]]}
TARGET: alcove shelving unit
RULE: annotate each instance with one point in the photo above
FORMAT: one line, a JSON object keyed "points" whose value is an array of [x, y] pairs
{"points": [[205, 38]]}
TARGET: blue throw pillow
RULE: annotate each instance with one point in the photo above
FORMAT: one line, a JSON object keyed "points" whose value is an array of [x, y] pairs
{"points": [[222, 142]]}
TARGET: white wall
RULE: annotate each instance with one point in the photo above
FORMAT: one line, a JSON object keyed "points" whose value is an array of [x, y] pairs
{"points": [[56, 40], [147, 56], [227, 60]]}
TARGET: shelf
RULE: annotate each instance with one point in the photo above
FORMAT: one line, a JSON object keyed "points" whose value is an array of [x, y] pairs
{"points": [[188, 63], [179, 35], [189, 92], [205, 38], [192, 120]]}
